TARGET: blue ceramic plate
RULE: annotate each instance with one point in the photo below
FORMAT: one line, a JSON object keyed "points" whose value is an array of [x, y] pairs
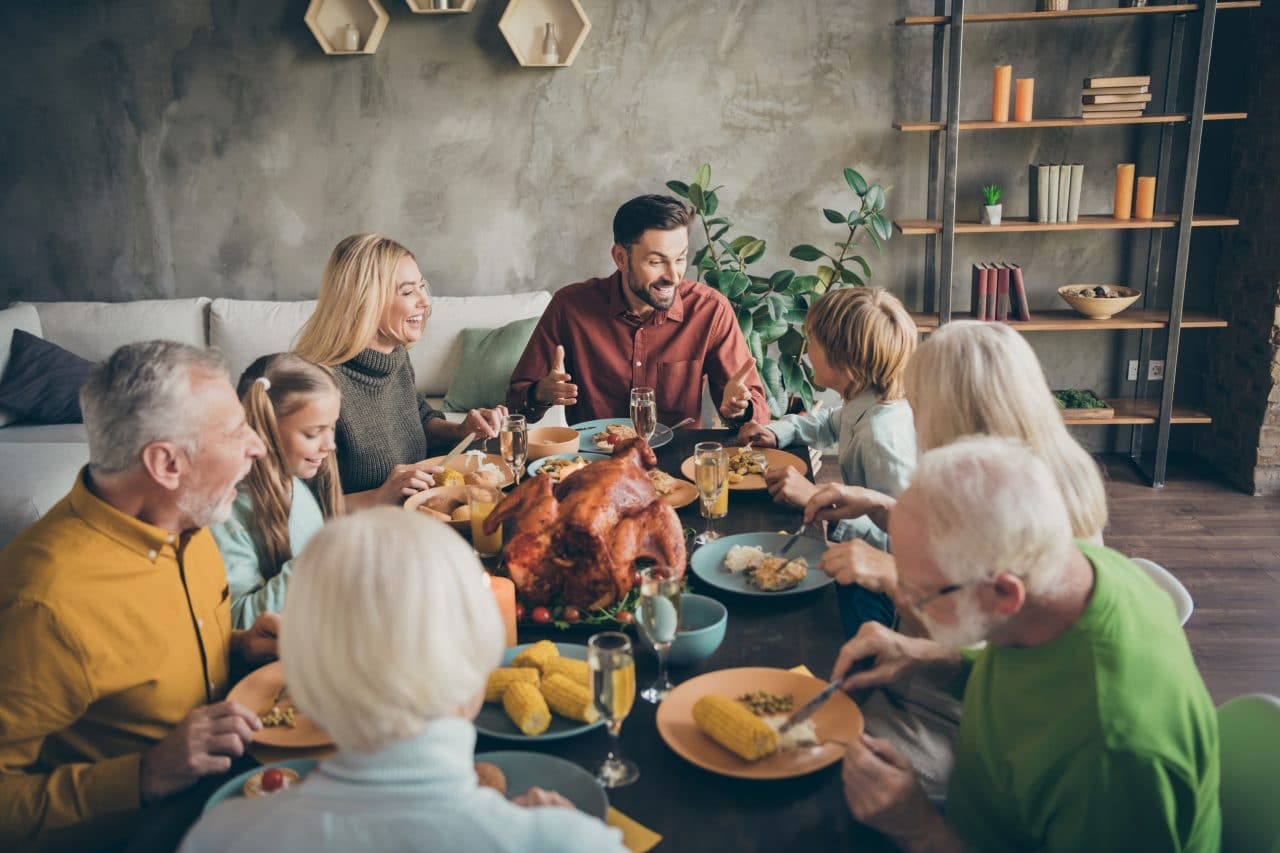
{"points": [[235, 787], [536, 465], [708, 562], [525, 770], [494, 722], [588, 429]]}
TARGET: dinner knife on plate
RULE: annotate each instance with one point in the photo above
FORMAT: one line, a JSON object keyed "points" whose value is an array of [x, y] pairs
{"points": [[808, 709], [461, 446]]}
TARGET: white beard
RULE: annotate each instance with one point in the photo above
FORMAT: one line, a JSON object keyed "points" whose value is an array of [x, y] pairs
{"points": [[201, 511], [971, 627]]}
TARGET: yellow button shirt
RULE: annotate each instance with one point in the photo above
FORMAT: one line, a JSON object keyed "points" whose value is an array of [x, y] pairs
{"points": [[111, 632]]}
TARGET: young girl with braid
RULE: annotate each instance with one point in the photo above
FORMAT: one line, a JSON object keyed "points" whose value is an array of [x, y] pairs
{"points": [[293, 404]]}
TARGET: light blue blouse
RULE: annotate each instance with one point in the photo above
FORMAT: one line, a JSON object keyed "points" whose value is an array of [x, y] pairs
{"points": [[251, 593], [415, 794], [876, 443]]}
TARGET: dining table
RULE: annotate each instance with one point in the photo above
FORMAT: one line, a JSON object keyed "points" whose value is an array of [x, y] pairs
{"points": [[691, 808]]}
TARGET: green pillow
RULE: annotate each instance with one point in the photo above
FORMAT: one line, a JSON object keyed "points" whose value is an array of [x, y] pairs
{"points": [[488, 359]]}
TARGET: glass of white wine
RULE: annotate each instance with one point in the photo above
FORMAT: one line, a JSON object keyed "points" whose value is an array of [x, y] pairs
{"points": [[659, 621], [514, 438], [711, 475], [613, 690], [644, 412]]}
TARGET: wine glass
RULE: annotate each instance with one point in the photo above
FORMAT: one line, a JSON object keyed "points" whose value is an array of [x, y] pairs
{"points": [[711, 474], [644, 412], [659, 621], [514, 438], [613, 691]]}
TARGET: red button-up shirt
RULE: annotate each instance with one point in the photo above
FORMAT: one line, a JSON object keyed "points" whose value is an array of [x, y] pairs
{"points": [[609, 351]]}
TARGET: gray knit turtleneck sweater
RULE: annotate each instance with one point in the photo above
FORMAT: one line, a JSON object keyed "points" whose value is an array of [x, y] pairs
{"points": [[381, 424]]}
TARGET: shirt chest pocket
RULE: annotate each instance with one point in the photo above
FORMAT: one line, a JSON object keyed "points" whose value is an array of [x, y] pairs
{"points": [[679, 387]]}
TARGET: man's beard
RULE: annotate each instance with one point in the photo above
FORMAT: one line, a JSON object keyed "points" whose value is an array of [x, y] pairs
{"points": [[971, 626], [203, 510], [646, 295]]}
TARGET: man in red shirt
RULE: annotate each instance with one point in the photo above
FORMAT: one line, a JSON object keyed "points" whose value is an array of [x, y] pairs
{"points": [[642, 326]]}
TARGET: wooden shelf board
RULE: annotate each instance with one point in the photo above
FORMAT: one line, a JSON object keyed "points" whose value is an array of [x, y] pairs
{"points": [[327, 20], [522, 22], [1066, 121], [1092, 222], [1131, 412], [456, 7], [1003, 17], [1070, 321]]}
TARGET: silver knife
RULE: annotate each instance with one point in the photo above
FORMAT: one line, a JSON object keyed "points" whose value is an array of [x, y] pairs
{"points": [[809, 707], [461, 446], [792, 540]]}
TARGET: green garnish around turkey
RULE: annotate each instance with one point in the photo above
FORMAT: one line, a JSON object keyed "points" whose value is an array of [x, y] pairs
{"points": [[1074, 398]]}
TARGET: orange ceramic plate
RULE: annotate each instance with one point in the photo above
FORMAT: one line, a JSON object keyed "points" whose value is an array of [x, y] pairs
{"points": [[684, 494], [465, 464], [755, 482], [837, 719], [256, 691]]}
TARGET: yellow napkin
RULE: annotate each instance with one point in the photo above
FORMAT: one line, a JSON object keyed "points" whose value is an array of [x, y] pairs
{"points": [[802, 670], [639, 839]]}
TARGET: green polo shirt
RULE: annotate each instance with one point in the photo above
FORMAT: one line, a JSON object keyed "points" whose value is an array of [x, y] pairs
{"points": [[1103, 739]]}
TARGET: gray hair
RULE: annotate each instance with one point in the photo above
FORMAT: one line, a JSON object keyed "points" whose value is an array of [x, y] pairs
{"points": [[993, 506], [138, 396]]}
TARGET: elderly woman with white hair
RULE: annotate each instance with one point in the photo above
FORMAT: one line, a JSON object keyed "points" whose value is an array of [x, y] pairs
{"points": [[390, 634]]}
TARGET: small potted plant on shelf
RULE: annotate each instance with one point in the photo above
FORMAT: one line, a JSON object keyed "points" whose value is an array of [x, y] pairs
{"points": [[991, 207]]}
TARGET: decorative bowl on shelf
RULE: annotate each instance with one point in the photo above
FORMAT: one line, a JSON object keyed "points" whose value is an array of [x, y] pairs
{"points": [[1099, 301], [552, 441]]}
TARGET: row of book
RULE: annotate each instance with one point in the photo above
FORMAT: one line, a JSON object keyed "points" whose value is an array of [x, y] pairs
{"points": [[998, 289], [1115, 97], [1055, 191]]}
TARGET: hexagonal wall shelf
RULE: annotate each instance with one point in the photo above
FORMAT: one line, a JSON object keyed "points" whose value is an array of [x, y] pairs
{"points": [[428, 7], [328, 20], [524, 23]]}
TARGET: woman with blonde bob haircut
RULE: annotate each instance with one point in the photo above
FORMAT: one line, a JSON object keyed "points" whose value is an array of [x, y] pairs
{"points": [[373, 305], [390, 633]]}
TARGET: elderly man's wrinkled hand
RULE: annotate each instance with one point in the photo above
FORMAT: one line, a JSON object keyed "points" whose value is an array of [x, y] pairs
{"points": [[202, 744], [882, 791], [857, 563], [884, 656]]}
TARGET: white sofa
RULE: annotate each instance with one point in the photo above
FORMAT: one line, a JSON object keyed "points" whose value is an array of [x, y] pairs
{"points": [[38, 462]]}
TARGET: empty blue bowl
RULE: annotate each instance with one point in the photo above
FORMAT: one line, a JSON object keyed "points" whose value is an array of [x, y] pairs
{"points": [[702, 625]]}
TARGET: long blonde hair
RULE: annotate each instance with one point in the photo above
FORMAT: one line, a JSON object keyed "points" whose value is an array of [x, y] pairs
{"points": [[971, 378], [357, 287], [868, 337], [270, 483]]}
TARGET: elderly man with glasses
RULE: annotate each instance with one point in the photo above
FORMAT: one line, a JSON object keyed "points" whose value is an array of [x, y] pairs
{"points": [[1084, 722]]}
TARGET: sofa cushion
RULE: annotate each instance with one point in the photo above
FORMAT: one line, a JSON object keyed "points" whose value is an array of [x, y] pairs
{"points": [[37, 476], [485, 366], [42, 382], [246, 329], [44, 434], [22, 317], [94, 330]]}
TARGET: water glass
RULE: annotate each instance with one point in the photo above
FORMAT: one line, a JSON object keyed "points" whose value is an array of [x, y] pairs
{"points": [[659, 622], [644, 412], [613, 691], [514, 439], [711, 475]]}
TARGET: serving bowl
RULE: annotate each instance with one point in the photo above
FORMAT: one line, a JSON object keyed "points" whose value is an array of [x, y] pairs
{"points": [[457, 493], [703, 621], [552, 441], [1099, 307]]}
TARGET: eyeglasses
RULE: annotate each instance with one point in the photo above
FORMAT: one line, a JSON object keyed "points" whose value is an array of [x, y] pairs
{"points": [[945, 590]]}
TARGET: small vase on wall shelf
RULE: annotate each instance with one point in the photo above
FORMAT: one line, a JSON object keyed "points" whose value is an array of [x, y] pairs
{"points": [[350, 38], [992, 208], [550, 45], [1053, 5]]}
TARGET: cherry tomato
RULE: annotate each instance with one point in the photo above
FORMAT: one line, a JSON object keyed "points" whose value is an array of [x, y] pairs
{"points": [[520, 612], [272, 779], [637, 577], [571, 614], [626, 617], [541, 615]]}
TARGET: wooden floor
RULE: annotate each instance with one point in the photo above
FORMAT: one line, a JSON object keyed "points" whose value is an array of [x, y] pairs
{"points": [[1223, 545]]}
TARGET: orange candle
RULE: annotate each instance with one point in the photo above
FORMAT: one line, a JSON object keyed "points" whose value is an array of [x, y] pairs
{"points": [[1023, 95], [504, 591], [1000, 93], [1144, 205], [1124, 191]]}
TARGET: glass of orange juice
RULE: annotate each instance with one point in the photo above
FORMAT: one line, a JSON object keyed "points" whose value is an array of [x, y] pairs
{"points": [[482, 501]]}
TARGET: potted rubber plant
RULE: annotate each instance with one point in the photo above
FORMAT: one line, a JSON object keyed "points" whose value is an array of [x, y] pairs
{"points": [[991, 207]]}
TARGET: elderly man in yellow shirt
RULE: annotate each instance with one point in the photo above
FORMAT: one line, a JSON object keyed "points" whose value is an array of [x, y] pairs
{"points": [[115, 622]]}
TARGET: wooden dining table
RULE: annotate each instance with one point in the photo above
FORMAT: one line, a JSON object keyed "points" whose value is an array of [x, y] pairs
{"points": [[691, 808]]}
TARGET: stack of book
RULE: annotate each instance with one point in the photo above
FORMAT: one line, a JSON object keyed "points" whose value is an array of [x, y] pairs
{"points": [[1055, 191], [998, 289], [1115, 97]]}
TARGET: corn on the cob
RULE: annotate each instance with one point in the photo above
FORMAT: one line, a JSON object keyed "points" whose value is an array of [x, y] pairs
{"points": [[574, 670], [449, 477], [526, 708], [537, 654], [503, 677], [734, 727], [569, 699]]}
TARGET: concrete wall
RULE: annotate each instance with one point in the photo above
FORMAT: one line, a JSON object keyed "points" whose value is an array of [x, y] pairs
{"points": [[175, 149]]}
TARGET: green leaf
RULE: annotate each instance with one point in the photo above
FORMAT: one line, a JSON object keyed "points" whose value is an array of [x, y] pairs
{"points": [[680, 188], [791, 344], [718, 220], [796, 316], [772, 330], [862, 262], [875, 197], [803, 284], [781, 280], [757, 348], [710, 202], [759, 285], [848, 276], [702, 177], [749, 300], [793, 377], [720, 232], [695, 196], [805, 252], [825, 274], [745, 323], [753, 251], [807, 394], [706, 262], [733, 284], [833, 216], [875, 239], [775, 307], [880, 226], [771, 376], [856, 182], [739, 242]]}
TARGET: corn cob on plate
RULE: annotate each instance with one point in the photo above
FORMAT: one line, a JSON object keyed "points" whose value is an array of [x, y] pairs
{"points": [[838, 720], [494, 722]]}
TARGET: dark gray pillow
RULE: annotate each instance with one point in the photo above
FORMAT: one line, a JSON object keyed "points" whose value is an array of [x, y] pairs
{"points": [[42, 381]]}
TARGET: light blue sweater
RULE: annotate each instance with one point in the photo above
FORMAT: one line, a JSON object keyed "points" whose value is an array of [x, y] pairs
{"points": [[251, 593], [876, 443], [419, 794]]}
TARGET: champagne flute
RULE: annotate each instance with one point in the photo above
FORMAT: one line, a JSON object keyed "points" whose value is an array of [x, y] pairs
{"points": [[659, 621], [644, 412], [613, 691], [514, 438], [711, 474]]}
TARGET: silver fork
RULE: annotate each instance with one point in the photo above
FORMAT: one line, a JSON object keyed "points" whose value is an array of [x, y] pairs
{"points": [[791, 540]]}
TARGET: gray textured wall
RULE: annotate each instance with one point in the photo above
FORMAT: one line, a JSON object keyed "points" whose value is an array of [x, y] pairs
{"points": [[176, 149]]}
